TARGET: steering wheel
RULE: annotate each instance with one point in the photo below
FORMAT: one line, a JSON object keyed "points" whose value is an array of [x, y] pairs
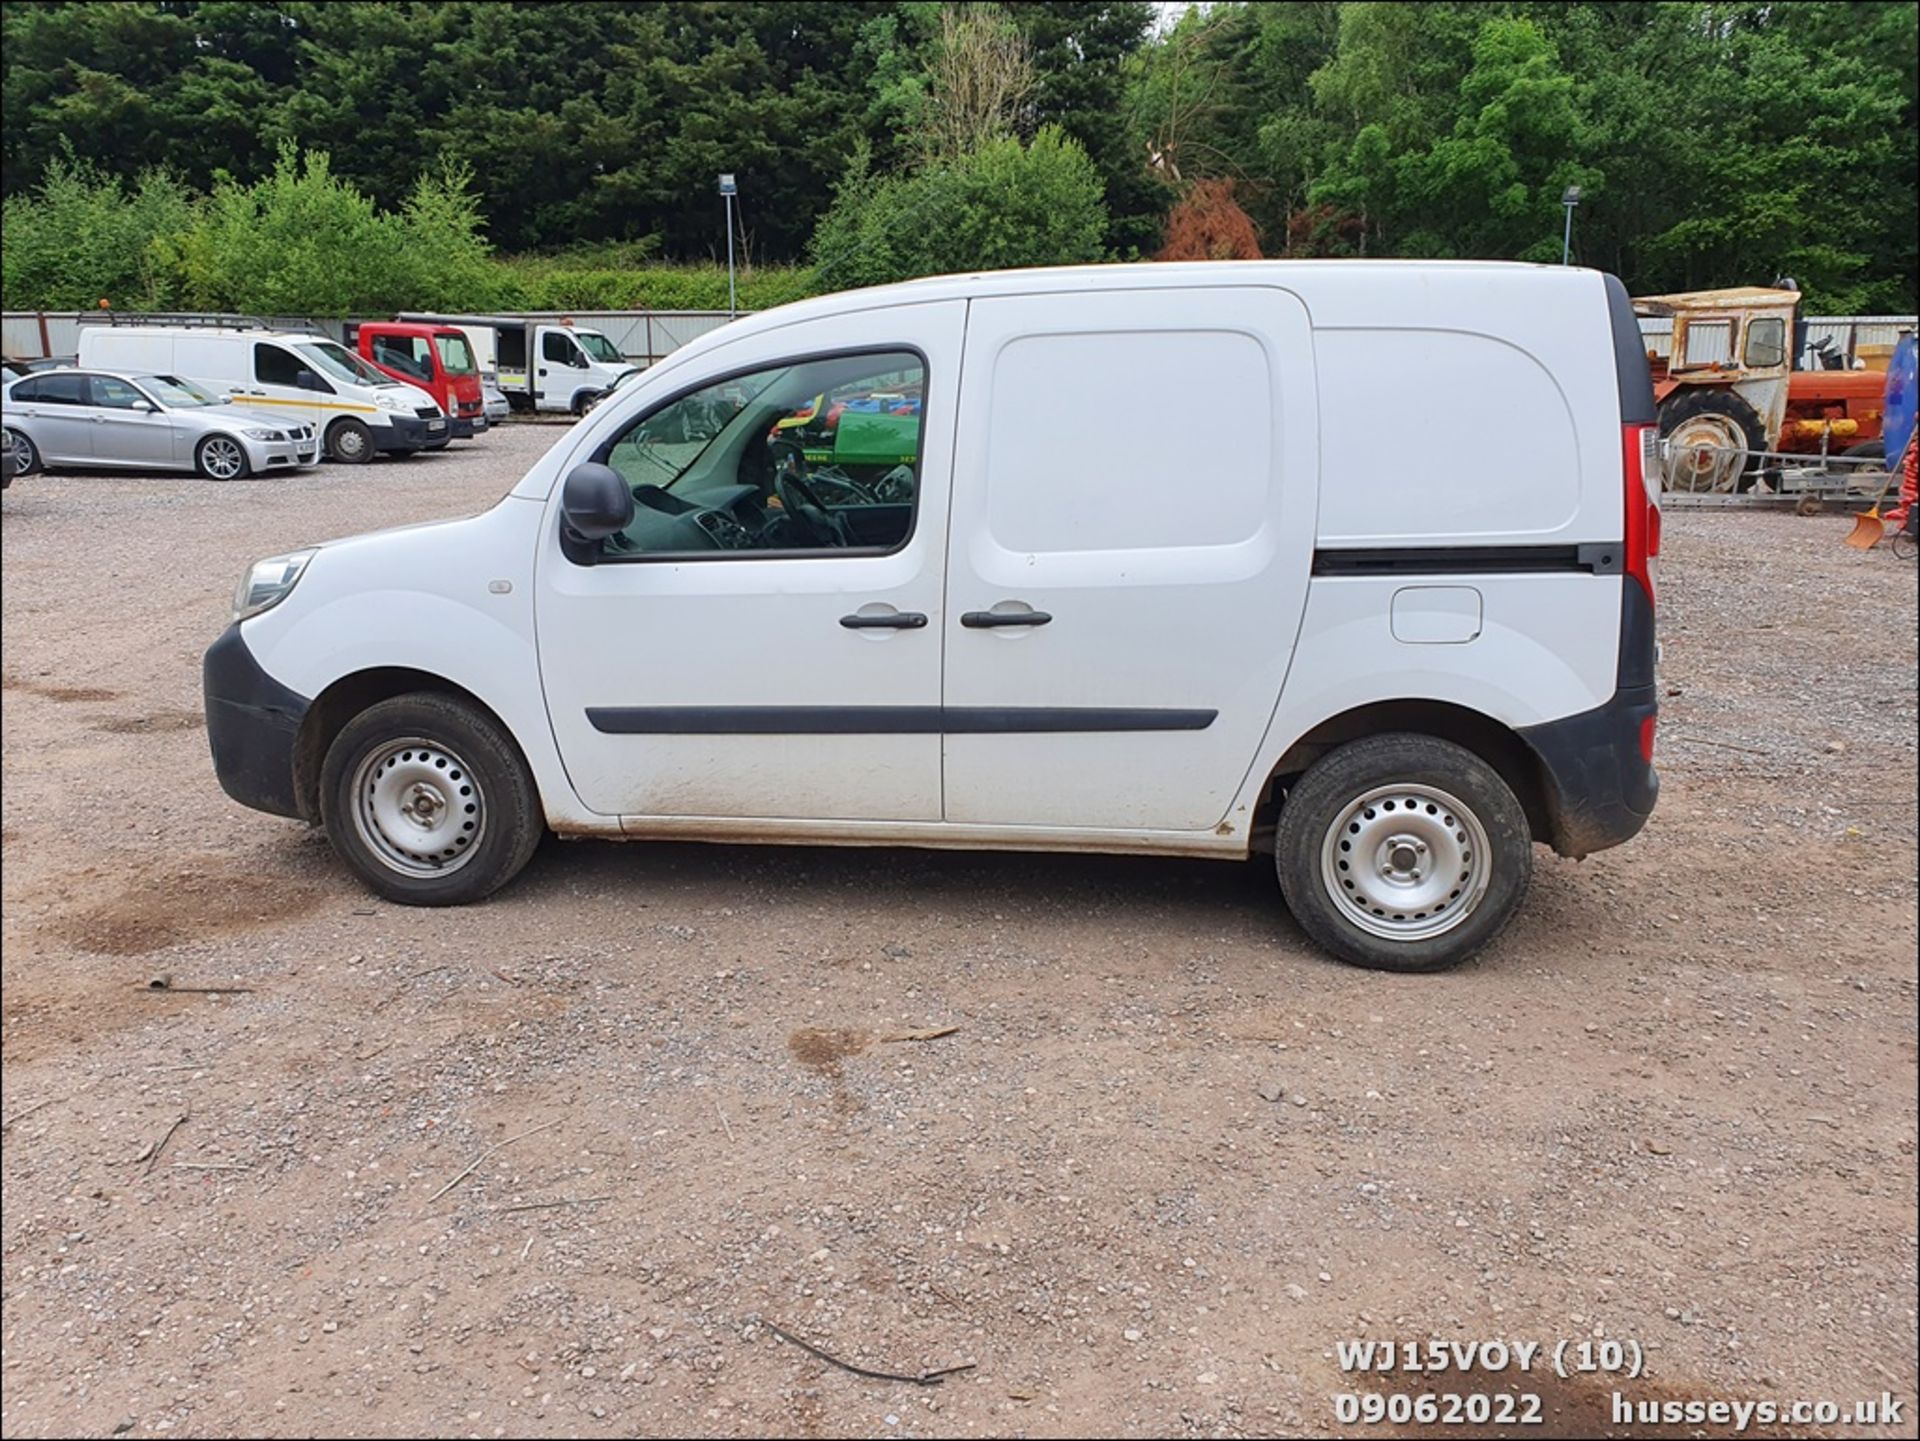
{"points": [[798, 498]]}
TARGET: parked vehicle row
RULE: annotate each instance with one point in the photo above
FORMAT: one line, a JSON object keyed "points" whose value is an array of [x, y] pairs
{"points": [[541, 365]]}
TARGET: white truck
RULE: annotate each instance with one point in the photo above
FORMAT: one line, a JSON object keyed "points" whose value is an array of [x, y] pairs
{"points": [[550, 365]]}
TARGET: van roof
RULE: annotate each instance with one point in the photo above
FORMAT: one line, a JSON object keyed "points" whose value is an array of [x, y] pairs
{"points": [[1410, 277], [202, 331]]}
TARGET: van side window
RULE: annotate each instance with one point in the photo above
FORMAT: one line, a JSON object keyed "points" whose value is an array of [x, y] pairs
{"points": [[274, 366], [804, 456], [558, 347], [405, 353]]}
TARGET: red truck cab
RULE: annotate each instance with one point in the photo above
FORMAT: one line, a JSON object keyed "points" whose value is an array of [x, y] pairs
{"points": [[436, 358]]}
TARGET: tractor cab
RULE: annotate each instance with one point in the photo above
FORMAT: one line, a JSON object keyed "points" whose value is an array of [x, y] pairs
{"points": [[1732, 401]]}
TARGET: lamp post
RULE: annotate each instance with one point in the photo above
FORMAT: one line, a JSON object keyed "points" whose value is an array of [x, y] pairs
{"points": [[728, 190], [1570, 198]]}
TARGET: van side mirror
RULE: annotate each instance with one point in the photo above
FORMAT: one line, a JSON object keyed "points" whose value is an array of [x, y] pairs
{"points": [[307, 380], [595, 502]]}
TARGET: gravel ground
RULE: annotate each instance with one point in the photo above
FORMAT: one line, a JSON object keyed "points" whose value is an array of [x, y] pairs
{"points": [[1168, 1159]]}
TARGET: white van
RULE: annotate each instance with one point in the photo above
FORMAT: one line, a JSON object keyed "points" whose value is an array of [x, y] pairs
{"points": [[1180, 559], [311, 378], [540, 364]]}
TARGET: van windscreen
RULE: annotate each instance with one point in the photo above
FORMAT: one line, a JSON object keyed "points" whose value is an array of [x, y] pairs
{"points": [[598, 346], [455, 354], [330, 359]]}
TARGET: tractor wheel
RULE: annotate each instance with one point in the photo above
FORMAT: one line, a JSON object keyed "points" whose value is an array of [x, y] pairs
{"points": [[1701, 427]]}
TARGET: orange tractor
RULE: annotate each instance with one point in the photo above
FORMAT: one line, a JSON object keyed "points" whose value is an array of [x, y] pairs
{"points": [[1732, 404]]}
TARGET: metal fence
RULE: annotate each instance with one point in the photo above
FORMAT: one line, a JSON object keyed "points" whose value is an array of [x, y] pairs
{"points": [[643, 336]]}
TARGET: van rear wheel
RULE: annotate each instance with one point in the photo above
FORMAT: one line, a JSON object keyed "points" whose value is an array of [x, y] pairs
{"points": [[1403, 852], [349, 442], [429, 801]]}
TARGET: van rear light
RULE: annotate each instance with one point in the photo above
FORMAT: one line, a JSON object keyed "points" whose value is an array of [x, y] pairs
{"points": [[1646, 738], [1640, 453]]}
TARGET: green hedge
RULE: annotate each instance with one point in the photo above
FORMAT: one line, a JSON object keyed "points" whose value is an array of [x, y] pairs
{"points": [[301, 241]]}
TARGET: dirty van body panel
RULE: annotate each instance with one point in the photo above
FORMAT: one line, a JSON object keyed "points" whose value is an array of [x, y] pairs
{"points": [[697, 667], [1139, 467], [373, 603]]}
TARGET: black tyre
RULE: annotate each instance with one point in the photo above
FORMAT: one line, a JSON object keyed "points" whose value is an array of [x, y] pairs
{"points": [[1403, 852], [26, 459], [429, 801], [1699, 423], [1873, 450], [349, 442], [221, 457]]}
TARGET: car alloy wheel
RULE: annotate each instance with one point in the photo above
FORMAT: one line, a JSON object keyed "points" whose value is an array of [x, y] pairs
{"points": [[222, 458]]}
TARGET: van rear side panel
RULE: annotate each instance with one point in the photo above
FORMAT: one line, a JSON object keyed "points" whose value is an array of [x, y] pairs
{"points": [[1473, 545], [1483, 411]]}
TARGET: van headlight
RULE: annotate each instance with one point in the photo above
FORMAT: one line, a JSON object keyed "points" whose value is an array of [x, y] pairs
{"points": [[269, 582]]}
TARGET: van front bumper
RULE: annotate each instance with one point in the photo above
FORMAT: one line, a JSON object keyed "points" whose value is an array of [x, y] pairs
{"points": [[252, 724], [1600, 786], [404, 434]]}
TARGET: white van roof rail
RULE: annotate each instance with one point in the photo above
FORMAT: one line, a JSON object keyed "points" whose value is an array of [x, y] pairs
{"points": [[210, 320]]}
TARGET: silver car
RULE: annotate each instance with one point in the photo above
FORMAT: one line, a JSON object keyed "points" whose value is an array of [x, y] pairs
{"points": [[145, 422], [497, 408]]}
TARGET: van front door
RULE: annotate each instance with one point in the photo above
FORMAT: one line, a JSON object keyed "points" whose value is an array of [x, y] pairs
{"points": [[559, 369], [763, 639], [1134, 498]]}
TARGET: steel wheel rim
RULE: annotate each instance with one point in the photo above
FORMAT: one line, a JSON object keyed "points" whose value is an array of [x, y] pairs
{"points": [[348, 443], [1696, 460], [418, 807], [1406, 862], [22, 449], [222, 458]]}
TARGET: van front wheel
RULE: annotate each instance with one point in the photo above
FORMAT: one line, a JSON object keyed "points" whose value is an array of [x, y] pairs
{"points": [[429, 801], [1403, 853], [349, 442]]}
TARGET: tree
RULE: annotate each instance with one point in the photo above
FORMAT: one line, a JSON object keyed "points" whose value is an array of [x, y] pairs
{"points": [[1004, 204], [1208, 225], [978, 79]]}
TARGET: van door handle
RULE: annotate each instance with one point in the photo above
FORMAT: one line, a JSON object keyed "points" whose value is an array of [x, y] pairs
{"points": [[900, 620], [990, 619]]}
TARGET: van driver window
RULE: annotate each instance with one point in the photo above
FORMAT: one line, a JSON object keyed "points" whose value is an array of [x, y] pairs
{"points": [[557, 347], [274, 366], [404, 353], [807, 456]]}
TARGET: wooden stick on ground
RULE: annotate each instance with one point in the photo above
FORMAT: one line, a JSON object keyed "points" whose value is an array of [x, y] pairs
{"points": [[549, 1205], [932, 1034], [925, 1378], [19, 1115], [475, 1163], [153, 1156]]}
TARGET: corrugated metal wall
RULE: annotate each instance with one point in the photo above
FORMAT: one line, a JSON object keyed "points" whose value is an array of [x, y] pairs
{"points": [[643, 336]]}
